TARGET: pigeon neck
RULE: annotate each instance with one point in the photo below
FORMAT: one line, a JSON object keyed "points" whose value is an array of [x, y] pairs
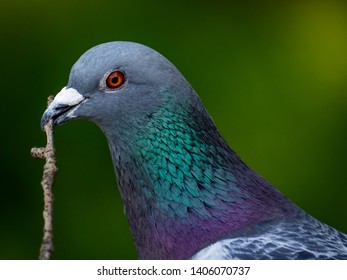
{"points": [[183, 188]]}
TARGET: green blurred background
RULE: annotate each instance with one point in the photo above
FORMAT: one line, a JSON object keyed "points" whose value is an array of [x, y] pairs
{"points": [[272, 75]]}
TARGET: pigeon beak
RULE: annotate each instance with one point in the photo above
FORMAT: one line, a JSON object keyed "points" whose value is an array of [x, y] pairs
{"points": [[63, 107]]}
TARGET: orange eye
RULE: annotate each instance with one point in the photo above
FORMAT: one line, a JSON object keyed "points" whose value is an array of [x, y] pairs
{"points": [[115, 79]]}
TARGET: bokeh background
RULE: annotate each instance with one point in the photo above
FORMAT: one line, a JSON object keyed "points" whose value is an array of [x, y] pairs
{"points": [[271, 73]]}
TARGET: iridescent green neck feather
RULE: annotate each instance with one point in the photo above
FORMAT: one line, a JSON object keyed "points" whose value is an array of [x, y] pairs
{"points": [[180, 180]]}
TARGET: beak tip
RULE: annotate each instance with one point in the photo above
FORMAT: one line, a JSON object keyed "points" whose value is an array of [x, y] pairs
{"points": [[42, 124], [44, 120]]}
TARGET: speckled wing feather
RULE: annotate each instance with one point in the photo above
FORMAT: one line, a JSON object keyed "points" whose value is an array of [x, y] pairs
{"points": [[288, 239]]}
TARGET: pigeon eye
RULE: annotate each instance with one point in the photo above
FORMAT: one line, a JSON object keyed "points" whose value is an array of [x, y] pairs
{"points": [[115, 79]]}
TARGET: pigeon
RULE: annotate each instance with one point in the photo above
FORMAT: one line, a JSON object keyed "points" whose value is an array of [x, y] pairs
{"points": [[186, 193]]}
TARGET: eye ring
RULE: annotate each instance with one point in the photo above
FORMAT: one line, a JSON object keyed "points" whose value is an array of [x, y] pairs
{"points": [[115, 79]]}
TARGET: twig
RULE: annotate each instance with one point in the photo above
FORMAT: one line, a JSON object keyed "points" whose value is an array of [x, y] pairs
{"points": [[49, 171]]}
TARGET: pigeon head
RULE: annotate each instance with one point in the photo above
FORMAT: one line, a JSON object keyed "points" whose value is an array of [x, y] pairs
{"points": [[116, 84]]}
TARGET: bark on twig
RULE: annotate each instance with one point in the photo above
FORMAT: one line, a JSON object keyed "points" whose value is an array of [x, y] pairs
{"points": [[49, 171]]}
